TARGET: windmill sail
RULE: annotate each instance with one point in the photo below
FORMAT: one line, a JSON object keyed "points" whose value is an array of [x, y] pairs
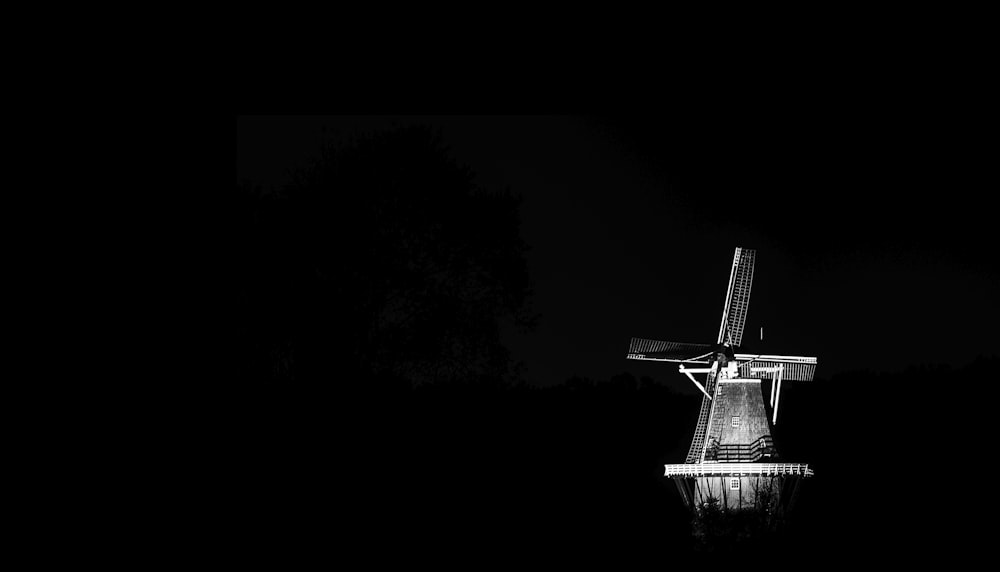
{"points": [[796, 368], [655, 350], [737, 298]]}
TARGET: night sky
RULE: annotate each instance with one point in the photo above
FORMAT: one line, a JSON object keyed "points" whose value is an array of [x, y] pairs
{"points": [[873, 231]]}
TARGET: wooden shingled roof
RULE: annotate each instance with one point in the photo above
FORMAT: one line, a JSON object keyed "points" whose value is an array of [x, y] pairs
{"points": [[751, 437]]}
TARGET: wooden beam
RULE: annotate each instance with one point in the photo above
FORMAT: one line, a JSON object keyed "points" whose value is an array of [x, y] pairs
{"points": [[777, 397]]}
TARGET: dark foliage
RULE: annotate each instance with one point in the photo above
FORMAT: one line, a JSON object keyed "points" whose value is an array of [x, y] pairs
{"points": [[381, 261], [731, 532]]}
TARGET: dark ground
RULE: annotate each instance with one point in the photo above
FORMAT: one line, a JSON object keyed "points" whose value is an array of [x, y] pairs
{"points": [[573, 473]]}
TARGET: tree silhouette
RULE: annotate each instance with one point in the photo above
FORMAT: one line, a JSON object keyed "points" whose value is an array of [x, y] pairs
{"points": [[382, 260]]}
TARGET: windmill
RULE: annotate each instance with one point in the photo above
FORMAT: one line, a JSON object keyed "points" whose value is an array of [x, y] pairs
{"points": [[732, 457]]}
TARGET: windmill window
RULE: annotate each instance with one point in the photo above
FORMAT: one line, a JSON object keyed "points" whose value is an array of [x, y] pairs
{"points": [[734, 484], [736, 421]]}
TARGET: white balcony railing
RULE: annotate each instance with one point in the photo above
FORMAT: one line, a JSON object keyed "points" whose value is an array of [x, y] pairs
{"points": [[736, 469]]}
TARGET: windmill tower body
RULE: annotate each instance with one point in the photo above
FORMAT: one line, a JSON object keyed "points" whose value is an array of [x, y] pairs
{"points": [[732, 458]]}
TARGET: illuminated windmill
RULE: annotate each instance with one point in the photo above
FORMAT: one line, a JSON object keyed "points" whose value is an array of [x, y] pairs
{"points": [[732, 457]]}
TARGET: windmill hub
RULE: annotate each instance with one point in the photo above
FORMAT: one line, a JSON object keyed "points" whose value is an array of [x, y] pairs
{"points": [[723, 353]]}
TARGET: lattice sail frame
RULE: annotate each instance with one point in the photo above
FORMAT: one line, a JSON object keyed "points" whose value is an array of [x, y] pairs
{"points": [[734, 314], [796, 368], [678, 352]]}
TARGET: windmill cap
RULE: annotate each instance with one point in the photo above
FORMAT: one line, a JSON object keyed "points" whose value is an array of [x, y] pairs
{"points": [[724, 349]]}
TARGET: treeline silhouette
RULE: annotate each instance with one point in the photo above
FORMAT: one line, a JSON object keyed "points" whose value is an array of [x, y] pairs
{"points": [[380, 260]]}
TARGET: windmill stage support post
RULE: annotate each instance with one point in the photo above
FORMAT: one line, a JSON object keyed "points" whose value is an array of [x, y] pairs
{"points": [[777, 397], [774, 385]]}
